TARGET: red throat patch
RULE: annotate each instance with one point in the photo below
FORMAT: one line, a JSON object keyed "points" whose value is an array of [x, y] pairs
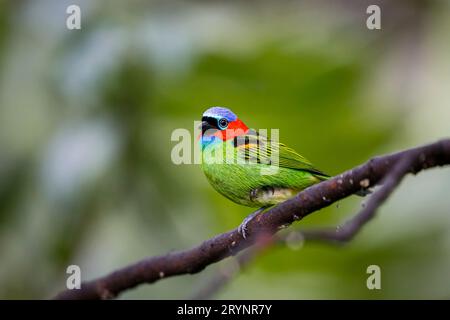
{"points": [[235, 129]]}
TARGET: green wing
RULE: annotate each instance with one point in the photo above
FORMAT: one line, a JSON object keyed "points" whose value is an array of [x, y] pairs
{"points": [[258, 149]]}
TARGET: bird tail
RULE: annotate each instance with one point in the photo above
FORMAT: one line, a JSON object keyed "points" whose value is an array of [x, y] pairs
{"points": [[319, 174]]}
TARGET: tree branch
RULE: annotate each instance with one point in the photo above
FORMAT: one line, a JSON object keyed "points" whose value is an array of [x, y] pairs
{"points": [[349, 229], [220, 279], [230, 243]]}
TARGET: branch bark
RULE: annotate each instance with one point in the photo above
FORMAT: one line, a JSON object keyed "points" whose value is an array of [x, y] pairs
{"points": [[230, 243], [349, 229], [220, 279]]}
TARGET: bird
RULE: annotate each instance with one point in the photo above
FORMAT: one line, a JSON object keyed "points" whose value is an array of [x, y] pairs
{"points": [[237, 160]]}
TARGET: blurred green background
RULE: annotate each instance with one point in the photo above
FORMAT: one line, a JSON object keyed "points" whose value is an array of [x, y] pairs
{"points": [[86, 118]]}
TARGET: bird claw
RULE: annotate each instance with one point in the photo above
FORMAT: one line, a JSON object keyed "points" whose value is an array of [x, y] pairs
{"points": [[242, 229]]}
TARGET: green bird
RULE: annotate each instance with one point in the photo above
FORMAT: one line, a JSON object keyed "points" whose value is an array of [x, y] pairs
{"points": [[249, 169]]}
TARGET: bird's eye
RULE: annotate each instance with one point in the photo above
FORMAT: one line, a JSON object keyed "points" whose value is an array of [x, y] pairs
{"points": [[223, 123]]}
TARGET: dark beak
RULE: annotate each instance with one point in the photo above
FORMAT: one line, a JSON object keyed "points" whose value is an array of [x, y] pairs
{"points": [[205, 125]]}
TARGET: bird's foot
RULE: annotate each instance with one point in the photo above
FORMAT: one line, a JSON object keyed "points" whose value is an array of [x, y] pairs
{"points": [[242, 229]]}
